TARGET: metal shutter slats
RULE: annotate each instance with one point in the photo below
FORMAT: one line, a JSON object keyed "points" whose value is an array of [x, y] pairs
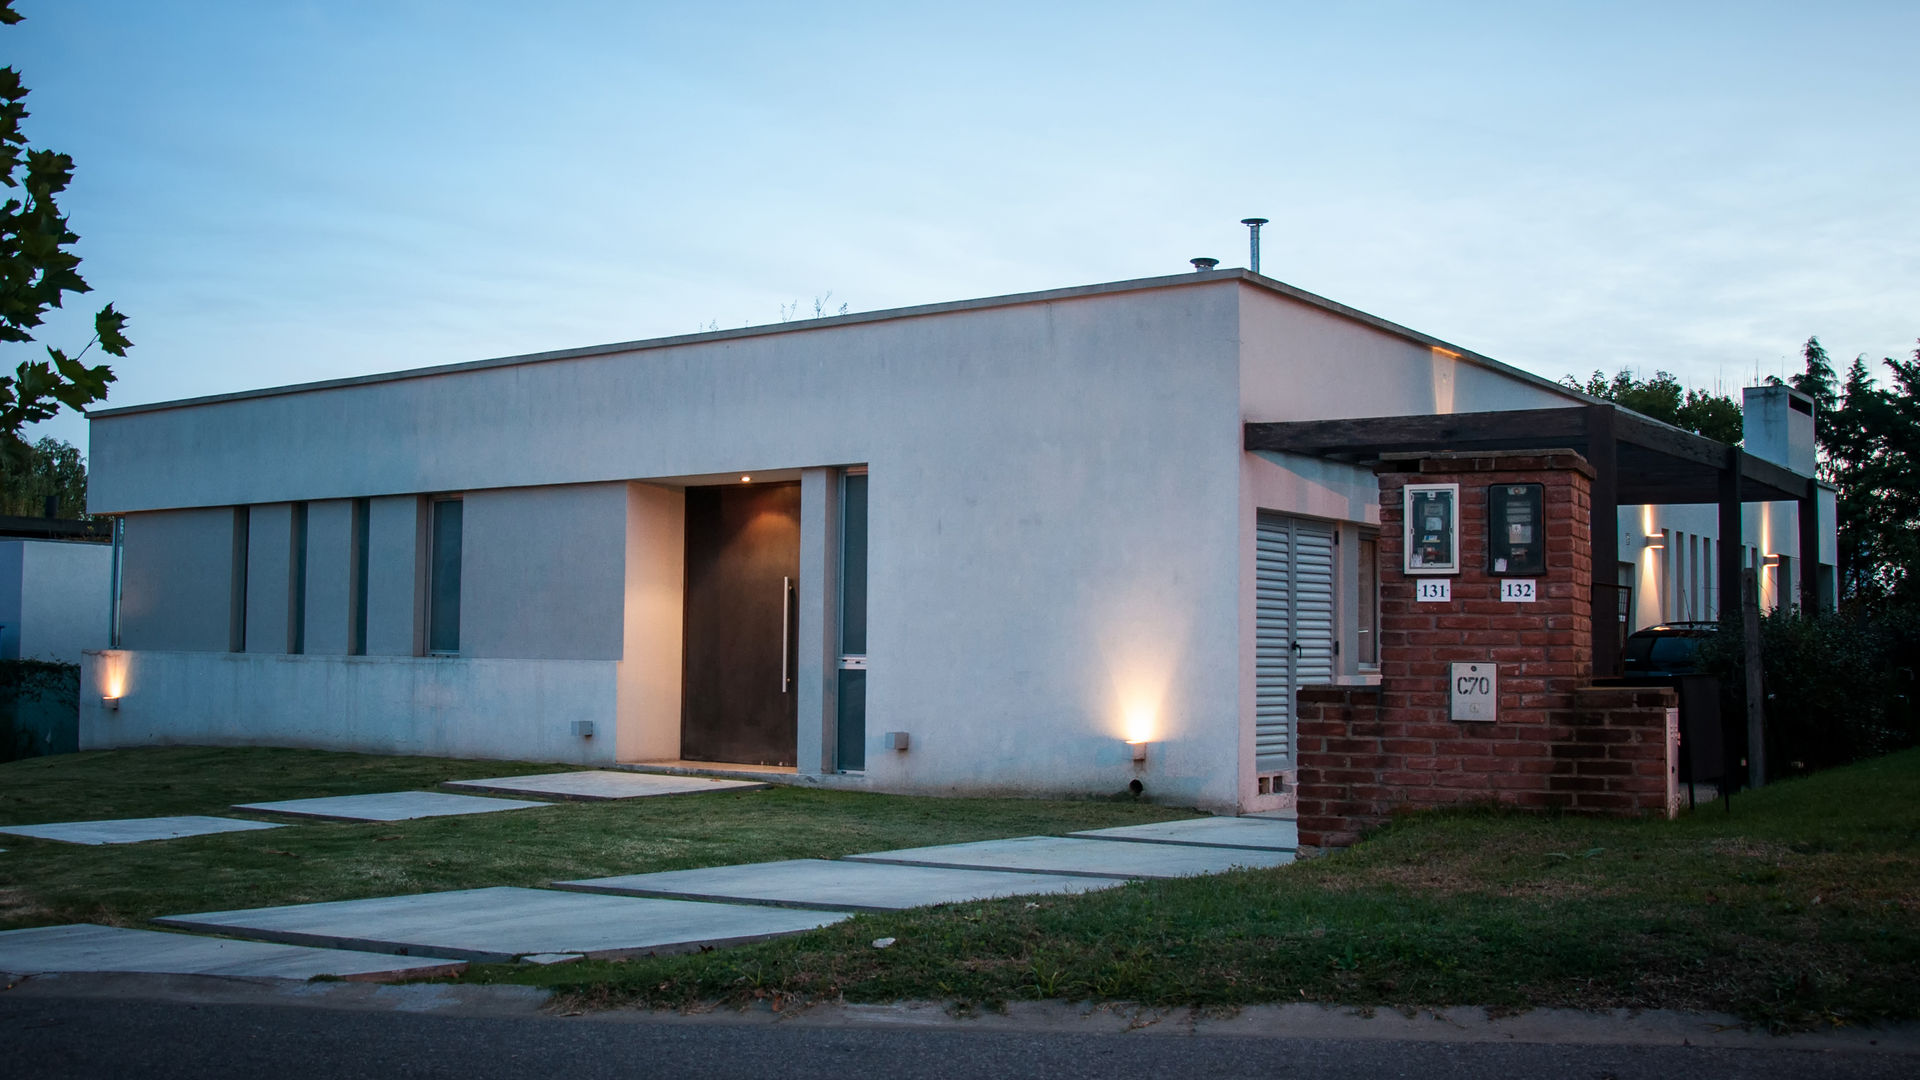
{"points": [[1293, 590]]}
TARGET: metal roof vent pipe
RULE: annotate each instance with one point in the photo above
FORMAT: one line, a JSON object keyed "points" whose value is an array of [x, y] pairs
{"points": [[1201, 266], [1253, 228]]}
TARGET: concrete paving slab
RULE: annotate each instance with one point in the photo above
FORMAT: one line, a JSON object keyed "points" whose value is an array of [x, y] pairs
{"points": [[1260, 834], [1078, 855], [389, 806], [596, 784], [85, 947], [498, 924], [839, 886], [134, 830]]}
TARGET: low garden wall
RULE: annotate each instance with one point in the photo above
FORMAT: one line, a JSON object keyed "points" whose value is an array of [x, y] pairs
{"points": [[1613, 752]]}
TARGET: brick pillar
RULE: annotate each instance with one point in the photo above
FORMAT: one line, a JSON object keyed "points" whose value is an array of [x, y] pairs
{"points": [[1365, 753]]}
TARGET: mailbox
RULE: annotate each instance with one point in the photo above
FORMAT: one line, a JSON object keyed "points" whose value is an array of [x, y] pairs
{"points": [[1516, 530], [1432, 514]]}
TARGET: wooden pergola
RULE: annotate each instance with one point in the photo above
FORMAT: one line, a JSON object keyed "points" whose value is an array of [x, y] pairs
{"points": [[1635, 461]]}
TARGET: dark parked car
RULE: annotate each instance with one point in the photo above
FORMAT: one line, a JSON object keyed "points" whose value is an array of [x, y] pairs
{"points": [[1667, 649]]}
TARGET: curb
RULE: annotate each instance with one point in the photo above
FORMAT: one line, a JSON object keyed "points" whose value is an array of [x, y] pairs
{"points": [[1463, 1024]]}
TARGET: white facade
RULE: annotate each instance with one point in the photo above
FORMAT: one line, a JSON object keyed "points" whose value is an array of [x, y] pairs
{"points": [[1669, 555], [1059, 543], [54, 598]]}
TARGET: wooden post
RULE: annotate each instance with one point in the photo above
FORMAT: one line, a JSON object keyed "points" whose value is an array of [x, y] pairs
{"points": [[1603, 538], [1810, 576], [1756, 688], [1732, 558]]}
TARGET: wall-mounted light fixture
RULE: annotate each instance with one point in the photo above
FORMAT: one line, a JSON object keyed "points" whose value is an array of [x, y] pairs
{"points": [[1139, 750], [1773, 559], [746, 479], [111, 701], [1656, 540]]}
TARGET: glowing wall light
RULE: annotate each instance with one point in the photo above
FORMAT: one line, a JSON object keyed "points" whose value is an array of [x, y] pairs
{"points": [[1140, 723], [1141, 633], [113, 679]]}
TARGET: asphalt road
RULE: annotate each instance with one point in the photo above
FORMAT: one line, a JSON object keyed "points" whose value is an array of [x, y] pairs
{"points": [[51, 1037]]}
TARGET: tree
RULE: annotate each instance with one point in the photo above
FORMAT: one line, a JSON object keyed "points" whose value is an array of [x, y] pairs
{"points": [[1818, 383], [1663, 398], [36, 272], [1869, 440], [51, 470]]}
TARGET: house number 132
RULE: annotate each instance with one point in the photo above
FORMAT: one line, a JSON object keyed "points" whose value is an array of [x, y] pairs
{"points": [[1517, 590]]}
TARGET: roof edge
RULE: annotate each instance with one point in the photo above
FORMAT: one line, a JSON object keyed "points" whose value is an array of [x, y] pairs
{"points": [[1205, 277]]}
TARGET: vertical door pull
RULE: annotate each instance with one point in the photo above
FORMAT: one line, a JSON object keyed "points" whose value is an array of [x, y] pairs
{"points": [[786, 614]]}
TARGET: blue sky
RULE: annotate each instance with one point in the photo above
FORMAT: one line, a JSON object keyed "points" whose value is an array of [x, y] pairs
{"points": [[285, 191]]}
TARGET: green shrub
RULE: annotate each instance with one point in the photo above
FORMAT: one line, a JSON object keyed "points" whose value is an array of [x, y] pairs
{"points": [[1839, 686], [39, 708]]}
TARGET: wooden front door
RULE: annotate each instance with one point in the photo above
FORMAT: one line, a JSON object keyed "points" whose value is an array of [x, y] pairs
{"points": [[743, 570]]}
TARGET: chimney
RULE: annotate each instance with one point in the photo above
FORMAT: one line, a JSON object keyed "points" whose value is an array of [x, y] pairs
{"points": [[1777, 423], [1203, 265], [1253, 230]]}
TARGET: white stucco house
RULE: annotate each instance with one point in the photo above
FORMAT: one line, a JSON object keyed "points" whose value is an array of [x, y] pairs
{"points": [[55, 597], [969, 547]]}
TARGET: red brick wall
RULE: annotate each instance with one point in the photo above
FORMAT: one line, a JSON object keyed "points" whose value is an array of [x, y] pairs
{"points": [[1365, 752]]}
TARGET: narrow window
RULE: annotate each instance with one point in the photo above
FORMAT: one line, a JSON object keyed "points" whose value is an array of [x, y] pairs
{"points": [[357, 586], [1367, 611], [297, 582], [851, 729], [119, 560], [237, 584], [443, 579]]}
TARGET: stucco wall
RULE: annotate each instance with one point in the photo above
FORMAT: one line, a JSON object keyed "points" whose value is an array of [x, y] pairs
{"points": [[452, 707], [329, 614], [54, 598], [1053, 491], [269, 577], [543, 572], [395, 568], [177, 580], [649, 715]]}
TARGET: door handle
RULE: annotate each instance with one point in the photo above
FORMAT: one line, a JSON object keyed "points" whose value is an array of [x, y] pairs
{"points": [[786, 616]]}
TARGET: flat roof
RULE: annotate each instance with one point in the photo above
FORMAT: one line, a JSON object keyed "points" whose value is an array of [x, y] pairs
{"points": [[1172, 281]]}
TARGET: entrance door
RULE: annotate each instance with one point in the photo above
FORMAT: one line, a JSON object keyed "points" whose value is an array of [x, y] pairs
{"points": [[743, 569], [1293, 636]]}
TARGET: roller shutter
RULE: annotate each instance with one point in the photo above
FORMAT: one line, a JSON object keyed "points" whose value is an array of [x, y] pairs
{"points": [[1293, 638]]}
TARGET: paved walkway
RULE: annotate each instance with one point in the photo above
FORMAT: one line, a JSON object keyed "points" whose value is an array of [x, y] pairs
{"points": [[638, 914], [133, 830]]}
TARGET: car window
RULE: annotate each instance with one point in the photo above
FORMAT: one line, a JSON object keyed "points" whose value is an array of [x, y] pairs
{"points": [[1674, 650]]}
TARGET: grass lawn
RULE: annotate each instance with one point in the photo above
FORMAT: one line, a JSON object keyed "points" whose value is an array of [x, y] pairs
{"points": [[1800, 908], [43, 882]]}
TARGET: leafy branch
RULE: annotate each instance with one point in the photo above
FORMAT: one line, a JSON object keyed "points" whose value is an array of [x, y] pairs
{"points": [[37, 272]]}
